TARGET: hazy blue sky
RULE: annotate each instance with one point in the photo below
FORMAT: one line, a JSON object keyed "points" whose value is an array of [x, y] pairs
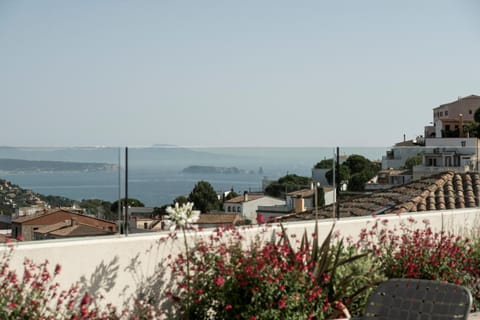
{"points": [[230, 73]]}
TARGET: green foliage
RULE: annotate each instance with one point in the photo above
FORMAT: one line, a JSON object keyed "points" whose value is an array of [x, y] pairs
{"points": [[286, 184], [476, 115], [270, 280], [344, 174], [57, 201], [472, 128], [180, 200], [357, 163], [421, 253], [232, 194], [324, 164], [204, 197], [414, 161], [335, 267], [99, 208], [357, 170], [132, 202], [320, 197]]}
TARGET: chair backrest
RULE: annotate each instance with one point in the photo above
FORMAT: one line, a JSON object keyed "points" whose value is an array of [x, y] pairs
{"points": [[408, 299]]}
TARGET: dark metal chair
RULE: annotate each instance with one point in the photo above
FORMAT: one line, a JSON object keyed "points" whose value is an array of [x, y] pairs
{"points": [[414, 299]]}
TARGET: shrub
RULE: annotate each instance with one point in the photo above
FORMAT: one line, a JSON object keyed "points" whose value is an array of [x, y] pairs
{"points": [[269, 280], [36, 295], [421, 253]]}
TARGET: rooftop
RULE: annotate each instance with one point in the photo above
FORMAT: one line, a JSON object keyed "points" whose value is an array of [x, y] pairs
{"points": [[439, 192]]}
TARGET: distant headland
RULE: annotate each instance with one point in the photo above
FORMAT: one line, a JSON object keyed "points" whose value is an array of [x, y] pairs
{"points": [[28, 166], [215, 170]]}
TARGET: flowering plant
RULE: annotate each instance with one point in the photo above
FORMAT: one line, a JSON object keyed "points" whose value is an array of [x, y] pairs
{"points": [[269, 280], [35, 294], [181, 216], [421, 253]]}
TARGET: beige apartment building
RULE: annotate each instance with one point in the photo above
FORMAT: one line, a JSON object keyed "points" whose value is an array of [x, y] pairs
{"points": [[450, 118]]}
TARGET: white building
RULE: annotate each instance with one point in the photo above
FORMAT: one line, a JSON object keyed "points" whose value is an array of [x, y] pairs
{"points": [[247, 205], [459, 155]]}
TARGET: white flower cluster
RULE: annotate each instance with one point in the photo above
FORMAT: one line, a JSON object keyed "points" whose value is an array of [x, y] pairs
{"points": [[181, 216]]}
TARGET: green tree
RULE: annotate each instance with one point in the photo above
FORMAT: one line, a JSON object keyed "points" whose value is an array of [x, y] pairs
{"points": [[181, 200], [232, 194], [204, 197], [324, 164], [320, 197], [357, 163], [288, 183], [357, 181], [132, 202], [357, 170], [414, 161], [344, 174], [476, 115]]}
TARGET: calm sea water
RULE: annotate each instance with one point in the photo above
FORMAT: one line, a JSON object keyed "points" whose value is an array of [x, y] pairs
{"points": [[156, 178]]}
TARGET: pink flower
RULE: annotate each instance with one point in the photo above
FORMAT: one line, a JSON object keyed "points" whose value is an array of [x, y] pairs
{"points": [[219, 281], [58, 268], [85, 300], [260, 219], [228, 306]]}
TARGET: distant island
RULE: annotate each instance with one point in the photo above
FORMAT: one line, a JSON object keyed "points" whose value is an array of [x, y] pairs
{"points": [[29, 166], [216, 170]]}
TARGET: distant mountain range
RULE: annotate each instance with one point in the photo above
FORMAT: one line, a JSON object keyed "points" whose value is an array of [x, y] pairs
{"points": [[27, 166]]}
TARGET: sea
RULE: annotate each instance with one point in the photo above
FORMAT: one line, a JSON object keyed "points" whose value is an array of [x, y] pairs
{"points": [[156, 174]]}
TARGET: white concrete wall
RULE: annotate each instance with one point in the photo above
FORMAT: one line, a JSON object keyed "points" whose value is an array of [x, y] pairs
{"points": [[249, 208], [400, 155], [108, 261]]}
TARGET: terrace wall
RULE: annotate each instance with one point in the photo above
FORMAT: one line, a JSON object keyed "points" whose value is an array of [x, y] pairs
{"points": [[119, 266]]}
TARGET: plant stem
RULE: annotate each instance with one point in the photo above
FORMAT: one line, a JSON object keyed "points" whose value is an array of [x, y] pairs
{"points": [[188, 268]]}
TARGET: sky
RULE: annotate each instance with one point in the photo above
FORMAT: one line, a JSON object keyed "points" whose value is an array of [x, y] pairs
{"points": [[231, 73]]}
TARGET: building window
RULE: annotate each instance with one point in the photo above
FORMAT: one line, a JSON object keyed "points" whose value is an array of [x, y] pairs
{"points": [[441, 114], [446, 113], [464, 143], [145, 225], [469, 111], [229, 209]]}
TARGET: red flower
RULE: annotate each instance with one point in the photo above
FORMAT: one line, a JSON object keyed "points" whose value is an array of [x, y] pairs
{"points": [[58, 268], [260, 219], [219, 281]]}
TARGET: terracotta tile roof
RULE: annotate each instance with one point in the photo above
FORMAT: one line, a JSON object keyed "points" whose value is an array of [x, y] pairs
{"points": [[304, 193], [22, 219], [439, 192], [251, 197], [224, 218], [44, 213], [52, 227], [80, 230]]}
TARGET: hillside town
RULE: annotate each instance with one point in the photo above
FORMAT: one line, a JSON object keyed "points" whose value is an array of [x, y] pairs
{"points": [[435, 171]]}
